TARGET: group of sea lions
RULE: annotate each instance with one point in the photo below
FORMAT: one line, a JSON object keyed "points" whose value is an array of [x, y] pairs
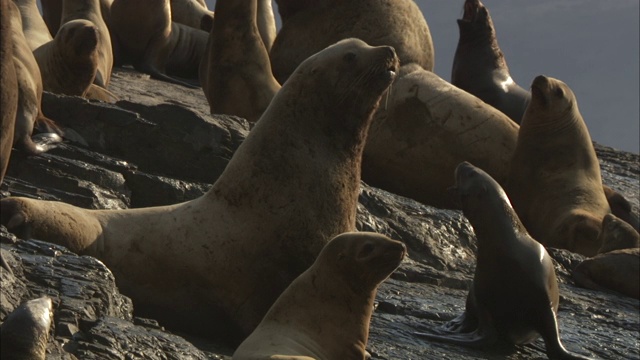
{"points": [[339, 94]]}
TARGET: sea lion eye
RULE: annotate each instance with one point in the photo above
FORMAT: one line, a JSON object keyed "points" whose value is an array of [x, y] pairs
{"points": [[349, 57], [559, 92], [366, 250]]}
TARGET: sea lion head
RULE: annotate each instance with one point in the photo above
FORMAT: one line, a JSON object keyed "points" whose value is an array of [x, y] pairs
{"points": [[365, 259], [79, 36], [25, 331], [476, 21], [617, 234], [551, 100], [480, 196], [348, 77]]}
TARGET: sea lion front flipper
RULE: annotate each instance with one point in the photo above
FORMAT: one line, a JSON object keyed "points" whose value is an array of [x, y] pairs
{"points": [[549, 332], [96, 92], [160, 76], [475, 339]]}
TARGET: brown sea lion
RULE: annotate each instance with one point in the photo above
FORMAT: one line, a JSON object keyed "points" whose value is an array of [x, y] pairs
{"points": [[424, 129], [514, 296], [479, 66], [235, 73], [617, 234], [617, 270], [192, 14], [29, 113], [325, 313], [154, 44], [554, 180], [199, 261], [8, 88], [91, 10], [316, 24], [25, 331]]}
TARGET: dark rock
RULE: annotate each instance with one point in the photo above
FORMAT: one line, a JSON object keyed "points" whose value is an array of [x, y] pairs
{"points": [[159, 145]]}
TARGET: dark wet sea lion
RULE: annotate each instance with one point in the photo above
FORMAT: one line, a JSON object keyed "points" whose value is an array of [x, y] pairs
{"points": [[514, 296], [479, 66]]}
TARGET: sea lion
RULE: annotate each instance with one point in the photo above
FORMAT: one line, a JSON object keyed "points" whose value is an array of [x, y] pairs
{"points": [[617, 270], [8, 90], [25, 331], [192, 14], [235, 73], [33, 26], [617, 234], [397, 23], [29, 113], [479, 66], [621, 207], [154, 44], [266, 23], [325, 313], [230, 253], [91, 10], [554, 178], [514, 295], [424, 129]]}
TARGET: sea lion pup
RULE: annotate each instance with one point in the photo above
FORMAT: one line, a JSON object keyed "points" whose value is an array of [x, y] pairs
{"points": [[554, 180], [617, 270], [235, 73], [91, 10], [425, 123], [154, 44], [325, 313], [479, 66], [397, 23], [192, 14], [514, 295], [215, 257], [29, 113], [25, 331], [617, 234], [8, 88]]}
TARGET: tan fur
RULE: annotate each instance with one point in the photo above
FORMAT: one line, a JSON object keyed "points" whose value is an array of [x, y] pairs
{"points": [[25, 331], [91, 10], [230, 253], [617, 234], [9, 88], [266, 23], [235, 73], [324, 314], [554, 181], [424, 128], [29, 111], [317, 24]]}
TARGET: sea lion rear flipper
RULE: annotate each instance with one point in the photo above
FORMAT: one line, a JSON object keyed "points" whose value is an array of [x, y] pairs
{"points": [[160, 76], [621, 207], [549, 332], [475, 339]]}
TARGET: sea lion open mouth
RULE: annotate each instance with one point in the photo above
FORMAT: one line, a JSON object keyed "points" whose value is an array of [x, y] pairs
{"points": [[471, 10]]}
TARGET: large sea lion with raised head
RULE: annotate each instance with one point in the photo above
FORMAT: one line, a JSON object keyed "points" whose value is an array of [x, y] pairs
{"points": [[554, 178], [310, 26], [514, 295], [235, 73], [325, 313], [479, 66], [230, 253]]}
